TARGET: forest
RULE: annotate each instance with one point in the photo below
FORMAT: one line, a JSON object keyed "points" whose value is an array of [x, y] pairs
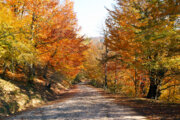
{"points": [[140, 55], [42, 52], [37, 38]]}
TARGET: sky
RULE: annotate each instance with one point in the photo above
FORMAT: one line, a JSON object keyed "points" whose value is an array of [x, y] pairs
{"points": [[91, 15]]}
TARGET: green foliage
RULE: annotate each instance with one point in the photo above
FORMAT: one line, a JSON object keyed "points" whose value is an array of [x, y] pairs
{"points": [[77, 79], [115, 88], [171, 95], [32, 39], [15, 46], [97, 83], [9, 108]]}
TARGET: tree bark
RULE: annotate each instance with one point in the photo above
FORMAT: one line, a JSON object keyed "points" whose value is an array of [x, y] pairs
{"points": [[156, 77], [152, 88], [30, 74], [135, 76], [105, 79], [116, 74], [48, 84]]}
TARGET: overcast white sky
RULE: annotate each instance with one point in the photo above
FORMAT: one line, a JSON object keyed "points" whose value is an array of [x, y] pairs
{"points": [[91, 15]]}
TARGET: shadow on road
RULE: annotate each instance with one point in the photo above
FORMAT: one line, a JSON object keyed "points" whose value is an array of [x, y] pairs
{"points": [[87, 104]]}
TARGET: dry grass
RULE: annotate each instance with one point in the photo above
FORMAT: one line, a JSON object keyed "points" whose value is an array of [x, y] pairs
{"points": [[17, 95]]}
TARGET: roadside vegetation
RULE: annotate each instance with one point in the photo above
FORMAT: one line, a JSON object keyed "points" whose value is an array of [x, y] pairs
{"points": [[140, 53], [40, 52]]}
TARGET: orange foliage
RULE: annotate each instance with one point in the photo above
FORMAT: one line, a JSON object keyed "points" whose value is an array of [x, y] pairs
{"points": [[52, 27]]}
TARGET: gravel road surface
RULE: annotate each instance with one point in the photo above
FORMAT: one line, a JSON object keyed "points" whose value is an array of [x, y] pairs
{"points": [[87, 104]]}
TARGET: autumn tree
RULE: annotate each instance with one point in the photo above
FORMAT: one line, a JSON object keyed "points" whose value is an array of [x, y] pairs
{"points": [[93, 68], [60, 45], [143, 33], [41, 33], [16, 49]]}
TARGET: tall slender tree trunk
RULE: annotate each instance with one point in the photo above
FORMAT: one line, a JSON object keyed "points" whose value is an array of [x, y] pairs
{"points": [[12, 69], [116, 74], [31, 70], [105, 79], [135, 82], [135, 76]]}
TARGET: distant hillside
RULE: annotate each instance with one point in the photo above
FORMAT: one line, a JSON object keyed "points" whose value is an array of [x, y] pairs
{"points": [[97, 40]]}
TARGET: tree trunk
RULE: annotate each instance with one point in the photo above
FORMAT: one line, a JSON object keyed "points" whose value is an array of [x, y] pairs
{"points": [[30, 74], [152, 90], [48, 85], [45, 71], [135, 75], [153, 86], [156, 77], [105, 79], [116, 74], [135, 83], [4, 71]]}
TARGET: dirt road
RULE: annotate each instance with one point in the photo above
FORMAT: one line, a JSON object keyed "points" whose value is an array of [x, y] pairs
{"points": [[87, 104]]}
